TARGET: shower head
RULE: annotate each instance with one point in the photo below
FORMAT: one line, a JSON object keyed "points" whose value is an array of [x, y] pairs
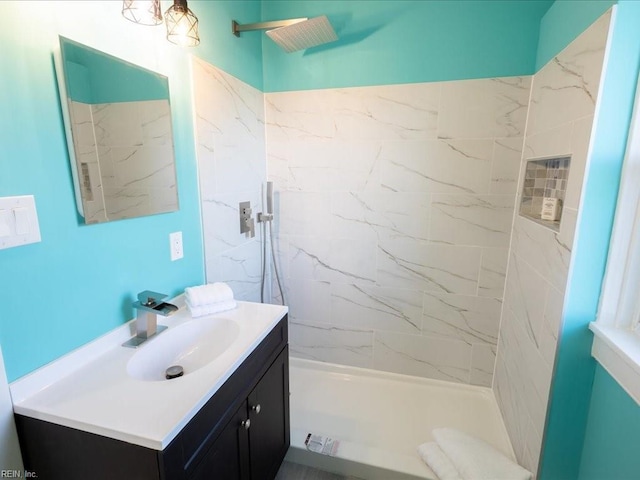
{"points": [[295, 34], [302, 35]]}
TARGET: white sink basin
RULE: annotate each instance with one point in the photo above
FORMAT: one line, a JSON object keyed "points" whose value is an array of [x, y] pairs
{"points": [[191, 345]]}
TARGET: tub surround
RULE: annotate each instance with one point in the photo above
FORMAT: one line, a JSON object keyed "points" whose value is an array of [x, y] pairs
{"points": [[349, 165], [394, 215], [89, 389], [423, 179], [561, 114], [230, 149]]}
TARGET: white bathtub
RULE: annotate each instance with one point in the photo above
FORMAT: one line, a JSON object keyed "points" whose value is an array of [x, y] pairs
{"points": [[380, 418]]}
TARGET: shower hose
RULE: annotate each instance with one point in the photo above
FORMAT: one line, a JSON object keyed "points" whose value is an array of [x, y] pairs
{"points": [[269, 224]]}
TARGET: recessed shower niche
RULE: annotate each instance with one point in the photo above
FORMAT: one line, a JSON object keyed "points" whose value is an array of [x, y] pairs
{"points": [[543, 190]]}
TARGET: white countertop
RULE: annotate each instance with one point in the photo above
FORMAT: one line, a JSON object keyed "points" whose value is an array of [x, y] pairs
{"points": [[89, 389]]}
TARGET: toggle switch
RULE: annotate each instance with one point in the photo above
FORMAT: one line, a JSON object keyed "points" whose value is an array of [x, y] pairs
{"points": [[18, 221], [21, 216]]}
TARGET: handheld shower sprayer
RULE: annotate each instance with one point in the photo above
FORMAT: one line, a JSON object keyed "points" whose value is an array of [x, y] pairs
{"points": [[267, 217], [270, 198]]}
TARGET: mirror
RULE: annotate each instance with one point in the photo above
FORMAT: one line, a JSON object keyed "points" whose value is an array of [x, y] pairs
{"points": [[118, 125]]}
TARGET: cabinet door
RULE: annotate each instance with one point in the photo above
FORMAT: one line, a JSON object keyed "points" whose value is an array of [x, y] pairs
{"points": [[228, 457], [269, 414]]}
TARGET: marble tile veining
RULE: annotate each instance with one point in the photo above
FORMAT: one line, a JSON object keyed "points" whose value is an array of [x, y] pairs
{"points": [[331, 343], [493, 272], [331, 259], [560, 118], [422, 356], [420, 266], [380, 216], [437, 166], [566, 88], [392, 197], [507, 154], [230, 139], [377, 308], [492, 107], [474, 320], [480, 220]]}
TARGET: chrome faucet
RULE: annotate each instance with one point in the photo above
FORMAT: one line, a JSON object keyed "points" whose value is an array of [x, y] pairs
{"points": [[148, 307]]}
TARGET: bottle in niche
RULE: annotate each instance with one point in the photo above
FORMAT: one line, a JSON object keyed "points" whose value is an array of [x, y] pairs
{"points": [[550, 209]]}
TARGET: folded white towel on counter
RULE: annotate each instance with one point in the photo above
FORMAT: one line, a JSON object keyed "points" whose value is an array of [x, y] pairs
{"points": [[435, 458], [475, 459], [211, 308], [208, 294]]}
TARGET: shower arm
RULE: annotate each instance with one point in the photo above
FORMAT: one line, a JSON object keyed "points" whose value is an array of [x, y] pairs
{"points": [[236, 28]]}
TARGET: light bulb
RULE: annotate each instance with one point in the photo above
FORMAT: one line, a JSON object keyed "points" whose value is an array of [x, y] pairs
{"points": [[142, 12], [182, 25]]}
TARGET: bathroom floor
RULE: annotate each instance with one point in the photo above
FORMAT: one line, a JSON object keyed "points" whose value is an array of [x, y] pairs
{"points": [[294, 471]]}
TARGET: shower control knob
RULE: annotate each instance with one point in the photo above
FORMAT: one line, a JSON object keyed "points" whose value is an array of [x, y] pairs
{"points": [[256, 408], [246, 424]]}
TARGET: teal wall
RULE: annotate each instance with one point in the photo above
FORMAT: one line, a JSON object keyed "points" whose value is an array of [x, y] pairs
{"points": [[573, 386], [389, 42], [78, 82], [90, 75], [612, 441], [612, 437], [241, 57], [79, 282], [564, 21]]}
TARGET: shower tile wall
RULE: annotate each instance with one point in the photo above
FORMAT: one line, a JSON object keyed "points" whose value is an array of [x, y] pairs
{"points": [[561, 114], [394, 207], [124, 183], [230, 140]]}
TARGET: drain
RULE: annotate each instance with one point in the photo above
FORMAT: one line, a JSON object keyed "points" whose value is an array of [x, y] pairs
{"points": [[174, 371]]}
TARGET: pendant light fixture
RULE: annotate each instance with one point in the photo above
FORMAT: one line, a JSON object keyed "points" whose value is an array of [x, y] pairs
{"points": [[142, 12], [182, 24]]}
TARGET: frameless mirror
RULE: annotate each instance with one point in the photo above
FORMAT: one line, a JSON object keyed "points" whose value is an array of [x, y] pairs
{"points": [[118, 125]]}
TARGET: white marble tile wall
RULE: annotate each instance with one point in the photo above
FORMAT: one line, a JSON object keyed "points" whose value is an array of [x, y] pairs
{"points": [[127, 150], [563, 101], [86, 153], [230, 142], [134, 143], [394, 211]]}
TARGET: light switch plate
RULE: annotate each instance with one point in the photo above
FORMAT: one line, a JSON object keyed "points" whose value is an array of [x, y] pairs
{"points": [[18, 221], [175, 242]]}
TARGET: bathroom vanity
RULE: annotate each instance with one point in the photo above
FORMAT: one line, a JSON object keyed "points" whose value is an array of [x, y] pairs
{"points": [[229, 419]]}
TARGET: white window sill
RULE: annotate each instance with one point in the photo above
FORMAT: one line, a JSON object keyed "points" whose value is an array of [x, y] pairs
{"points": [[618, 351]]}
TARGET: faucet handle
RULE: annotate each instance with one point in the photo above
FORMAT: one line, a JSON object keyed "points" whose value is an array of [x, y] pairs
{"points": [[149, 298]]}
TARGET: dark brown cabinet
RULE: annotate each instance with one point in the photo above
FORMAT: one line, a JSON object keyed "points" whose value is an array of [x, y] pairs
{"points": [[252, 445], [241, 433], [228, 457], [269, 429]]}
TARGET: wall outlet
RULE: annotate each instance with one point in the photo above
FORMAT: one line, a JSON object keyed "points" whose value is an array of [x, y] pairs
{"points": [[175, 243]]}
